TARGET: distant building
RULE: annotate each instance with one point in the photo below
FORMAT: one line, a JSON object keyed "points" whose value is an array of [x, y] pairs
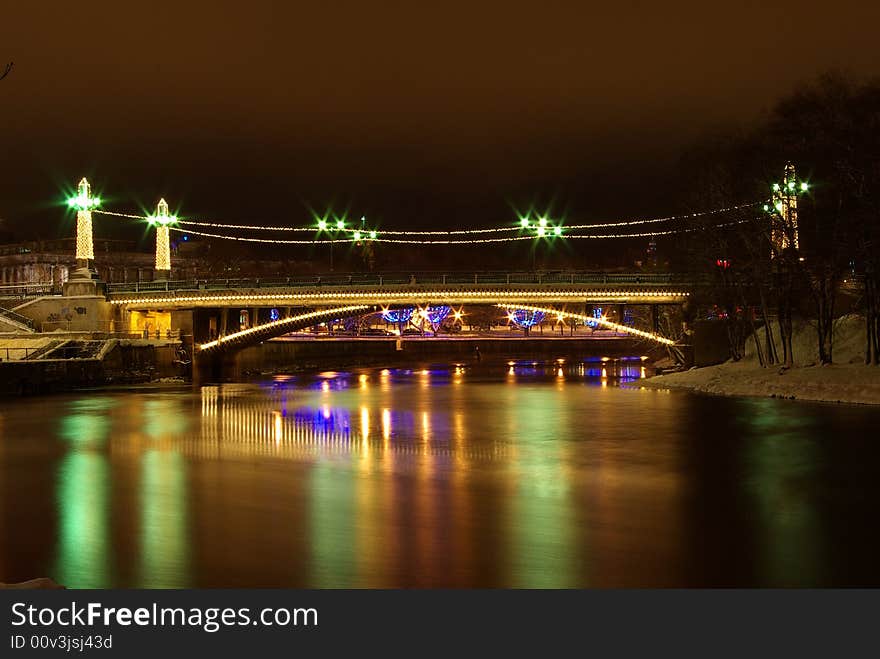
{"points": [[51, 261]]}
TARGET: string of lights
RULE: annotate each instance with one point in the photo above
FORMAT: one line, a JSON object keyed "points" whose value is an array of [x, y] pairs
{"points": [[472, 241], [600, 321], [671, 218], [525, 223]]}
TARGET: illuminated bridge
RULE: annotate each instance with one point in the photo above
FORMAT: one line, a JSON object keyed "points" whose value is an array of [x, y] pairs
{"points": [[396, 289], [301, 302]]}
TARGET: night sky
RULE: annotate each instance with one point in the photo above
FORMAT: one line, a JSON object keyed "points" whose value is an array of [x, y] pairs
{"points": [[415, 114]]}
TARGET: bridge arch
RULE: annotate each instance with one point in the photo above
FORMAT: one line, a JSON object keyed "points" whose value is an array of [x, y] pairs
{"points": [[259, 333]]}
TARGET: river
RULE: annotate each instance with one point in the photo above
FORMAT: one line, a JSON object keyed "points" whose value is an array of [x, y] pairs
{"points": [[526, 474]]}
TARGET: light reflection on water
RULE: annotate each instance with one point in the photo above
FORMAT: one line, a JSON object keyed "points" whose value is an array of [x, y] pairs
{"points": [[521, 474]]}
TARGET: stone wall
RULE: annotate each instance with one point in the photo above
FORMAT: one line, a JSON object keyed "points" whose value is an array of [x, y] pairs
{"points": [[77, 313]]}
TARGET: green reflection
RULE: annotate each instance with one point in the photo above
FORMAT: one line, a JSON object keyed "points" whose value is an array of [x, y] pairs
{"points": [[83, 496], [540, 520], [332, 530], [781, 462], [163, 418], [83, 552], [87, 422], [164, 543]]}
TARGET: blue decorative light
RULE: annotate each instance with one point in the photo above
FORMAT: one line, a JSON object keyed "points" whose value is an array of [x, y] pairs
{"points": [[398, 315], [526, 318], [274, 315], [436, 315]]}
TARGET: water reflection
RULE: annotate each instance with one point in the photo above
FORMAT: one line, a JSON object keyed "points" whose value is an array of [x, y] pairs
{"points": [[521, 473]]}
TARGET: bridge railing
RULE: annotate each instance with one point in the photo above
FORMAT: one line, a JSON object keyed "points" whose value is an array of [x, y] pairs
{"points": [[26, 290], [401, 279], [17, 318]]}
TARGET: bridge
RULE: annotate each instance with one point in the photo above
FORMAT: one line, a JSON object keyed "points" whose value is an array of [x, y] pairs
{"points": [[301, 302], [408, 288], [272, 307]]}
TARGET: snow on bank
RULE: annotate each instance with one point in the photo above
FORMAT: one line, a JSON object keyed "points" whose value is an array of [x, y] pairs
{"points": [[847, 381]]}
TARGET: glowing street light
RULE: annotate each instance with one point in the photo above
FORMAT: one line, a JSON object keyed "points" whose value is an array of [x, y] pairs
{"points": [[784, 234], [162, 220], [84, 202]]}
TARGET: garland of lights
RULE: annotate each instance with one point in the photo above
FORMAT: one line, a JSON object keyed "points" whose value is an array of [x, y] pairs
{"points": [[600, 321], [472, 241], [542, 227], [373, 236], [289, 321]]}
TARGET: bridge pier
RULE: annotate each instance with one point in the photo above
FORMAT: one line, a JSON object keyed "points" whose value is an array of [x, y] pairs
{"points": [[213, 368]]}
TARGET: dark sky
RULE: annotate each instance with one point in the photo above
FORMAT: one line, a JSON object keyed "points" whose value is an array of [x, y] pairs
{"points": [[415, 113]]}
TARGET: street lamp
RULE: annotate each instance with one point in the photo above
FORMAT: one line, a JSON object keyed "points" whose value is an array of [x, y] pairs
{"points": [[784, 232], [162, 220], [84, 202]]}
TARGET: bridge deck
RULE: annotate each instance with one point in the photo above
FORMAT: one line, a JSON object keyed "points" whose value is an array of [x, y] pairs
{"points": [[384, 289]]}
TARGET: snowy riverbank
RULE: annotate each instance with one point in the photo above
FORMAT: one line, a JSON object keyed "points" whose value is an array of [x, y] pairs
{"points": [[848, 380], [838, 383]]}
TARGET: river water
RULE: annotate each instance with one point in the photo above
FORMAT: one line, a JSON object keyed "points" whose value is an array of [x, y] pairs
{"points": [[530, 474]]}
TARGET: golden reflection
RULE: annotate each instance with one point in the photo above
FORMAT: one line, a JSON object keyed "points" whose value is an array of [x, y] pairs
{"points": [[365, 425], [386, 424], [426, 426]]}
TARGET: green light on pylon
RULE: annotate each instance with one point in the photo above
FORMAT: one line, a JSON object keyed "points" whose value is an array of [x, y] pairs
{"points": [[373, 235], [542, 231], [557, 231], [524, 222], [357, 235], [805, 186], [322, 225], [84, 201], [340, 224], [162, 217]]}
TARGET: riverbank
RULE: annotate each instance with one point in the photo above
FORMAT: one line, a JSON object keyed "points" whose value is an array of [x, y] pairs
{"points": [[848, 381], [836, 383], [59, 362]]}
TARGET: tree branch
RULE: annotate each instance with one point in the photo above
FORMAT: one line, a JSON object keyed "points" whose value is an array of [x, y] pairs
{"points": [[6, 71]]}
